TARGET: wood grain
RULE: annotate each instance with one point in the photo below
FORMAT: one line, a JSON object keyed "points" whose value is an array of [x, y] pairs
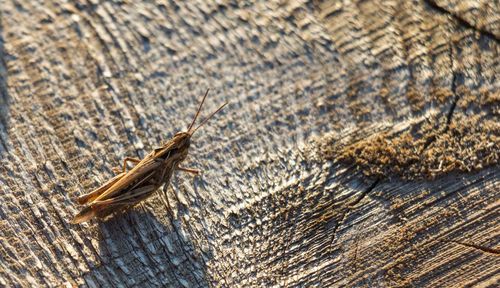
{"points": [[85, 84]]}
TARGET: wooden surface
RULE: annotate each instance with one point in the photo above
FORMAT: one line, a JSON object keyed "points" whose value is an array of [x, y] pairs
{"points": [[281, 202]]}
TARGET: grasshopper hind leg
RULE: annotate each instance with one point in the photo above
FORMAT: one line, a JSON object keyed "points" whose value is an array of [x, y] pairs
{"points": [[164, 197], [84, 215]]}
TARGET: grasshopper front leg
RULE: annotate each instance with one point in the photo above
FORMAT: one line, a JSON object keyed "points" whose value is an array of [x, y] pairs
{"points": [[192, 171], [127, 159]]}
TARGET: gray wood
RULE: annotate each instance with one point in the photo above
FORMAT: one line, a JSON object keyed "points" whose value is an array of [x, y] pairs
{"points": [[84, 85]]}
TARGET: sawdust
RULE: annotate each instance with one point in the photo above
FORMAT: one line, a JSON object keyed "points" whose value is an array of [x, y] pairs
{"points": [[463, 138]]}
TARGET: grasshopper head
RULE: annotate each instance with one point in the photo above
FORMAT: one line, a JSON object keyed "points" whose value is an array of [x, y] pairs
{"points": [[180, 143], [177, 147], [181, 140]]}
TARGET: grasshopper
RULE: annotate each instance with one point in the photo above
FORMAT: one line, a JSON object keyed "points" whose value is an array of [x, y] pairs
{"points": [[128, 188]]}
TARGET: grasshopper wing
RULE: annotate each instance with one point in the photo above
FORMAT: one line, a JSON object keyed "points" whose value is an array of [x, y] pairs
{"points": [[84, 199], [142, 169]]}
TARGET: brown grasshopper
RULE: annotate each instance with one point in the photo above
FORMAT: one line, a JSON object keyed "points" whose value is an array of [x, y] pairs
{"points": [[127, 189]]}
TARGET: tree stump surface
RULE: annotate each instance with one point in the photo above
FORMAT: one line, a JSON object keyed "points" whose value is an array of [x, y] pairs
{"points": [[360, 146]]}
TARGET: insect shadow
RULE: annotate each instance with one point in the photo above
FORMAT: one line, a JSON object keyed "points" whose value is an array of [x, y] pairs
{"points": [[4, 93], [138, 248]]}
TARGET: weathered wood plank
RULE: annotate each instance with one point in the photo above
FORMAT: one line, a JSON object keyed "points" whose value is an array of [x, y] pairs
{"points": [[84, 84]]}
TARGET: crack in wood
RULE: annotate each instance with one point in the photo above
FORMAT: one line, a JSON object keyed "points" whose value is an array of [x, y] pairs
{"points": [[475, 246], [450, 114], [356, 251], [449, 117], [461, 20], [350, 207]]}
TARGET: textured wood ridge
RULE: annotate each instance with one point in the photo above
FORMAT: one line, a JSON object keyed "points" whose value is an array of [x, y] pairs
{"points": [[84, 84]]}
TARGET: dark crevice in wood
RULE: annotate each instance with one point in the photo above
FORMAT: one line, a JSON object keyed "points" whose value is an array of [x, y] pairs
{"points": [[355, 258], [462, 21], [454, 90], [349, 207], [427, 143], [363, 195], [450, 114], [452, 108], [478, 247]]}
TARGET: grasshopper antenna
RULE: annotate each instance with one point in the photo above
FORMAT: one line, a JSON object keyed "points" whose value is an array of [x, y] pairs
{"points": [[206, 119], [198, 112]]}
